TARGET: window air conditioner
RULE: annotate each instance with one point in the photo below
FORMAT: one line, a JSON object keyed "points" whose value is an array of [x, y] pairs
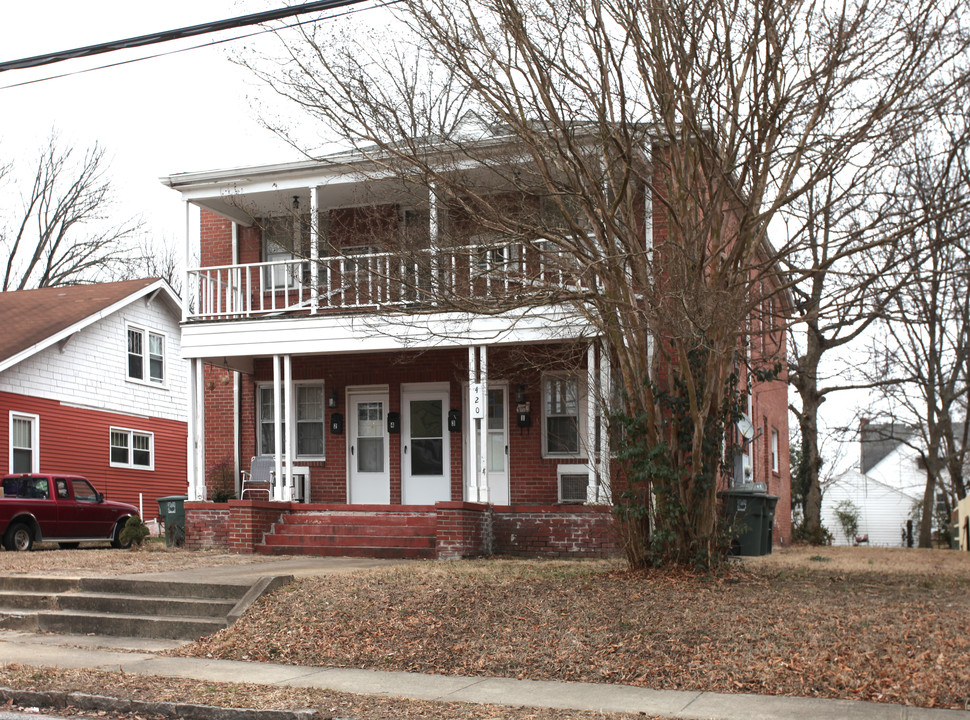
{"points": [[573, 482]]}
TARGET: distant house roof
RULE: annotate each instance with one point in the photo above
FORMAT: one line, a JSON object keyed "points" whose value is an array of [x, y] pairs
{"points": [[36, 319], [877, 440]]}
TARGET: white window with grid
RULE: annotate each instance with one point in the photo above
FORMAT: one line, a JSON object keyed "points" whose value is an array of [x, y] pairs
{"points": [[132, 449], [146, 356]]}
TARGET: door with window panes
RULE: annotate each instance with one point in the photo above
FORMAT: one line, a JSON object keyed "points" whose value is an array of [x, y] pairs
{"points": [[367, 448]]}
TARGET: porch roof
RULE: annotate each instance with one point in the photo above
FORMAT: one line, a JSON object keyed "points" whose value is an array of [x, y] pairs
{"points": [[234, 344]]}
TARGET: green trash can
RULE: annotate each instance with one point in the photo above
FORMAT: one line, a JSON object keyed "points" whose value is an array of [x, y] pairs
{"points": [[769, 502], [172, 510], [750, 513]]}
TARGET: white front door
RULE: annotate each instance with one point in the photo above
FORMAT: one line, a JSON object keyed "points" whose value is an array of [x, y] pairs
{"points": [[367, 441], [425, 456], [497, 454]]}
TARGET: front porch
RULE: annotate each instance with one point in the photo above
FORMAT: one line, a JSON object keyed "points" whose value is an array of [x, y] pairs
{"points": [[445, 530]]}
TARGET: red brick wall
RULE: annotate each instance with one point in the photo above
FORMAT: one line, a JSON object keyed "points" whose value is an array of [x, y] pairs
{"points": [[464, 530], [562, 531], [207, 526]]}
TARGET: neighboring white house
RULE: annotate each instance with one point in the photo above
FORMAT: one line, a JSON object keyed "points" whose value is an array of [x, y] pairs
{"points": [[883, 510], [889, 482]]}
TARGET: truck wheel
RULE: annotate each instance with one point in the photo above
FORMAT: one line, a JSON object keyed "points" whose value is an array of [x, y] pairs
{"points": [[18, 538], [116, 536]]}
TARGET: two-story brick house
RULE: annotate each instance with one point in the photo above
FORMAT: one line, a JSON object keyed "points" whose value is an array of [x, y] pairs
{"points": [[92, 382], [313, 338]]}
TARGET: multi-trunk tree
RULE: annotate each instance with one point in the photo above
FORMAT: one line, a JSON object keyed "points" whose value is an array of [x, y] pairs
{"points": [[712, 119]]}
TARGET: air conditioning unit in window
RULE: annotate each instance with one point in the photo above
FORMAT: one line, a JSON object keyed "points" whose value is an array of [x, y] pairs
{"points": [[573, 481]]}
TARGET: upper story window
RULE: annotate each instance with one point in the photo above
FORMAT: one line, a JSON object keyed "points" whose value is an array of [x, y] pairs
{"points": [[132, 449], [285, 245], [563, 417], [146, 355]]}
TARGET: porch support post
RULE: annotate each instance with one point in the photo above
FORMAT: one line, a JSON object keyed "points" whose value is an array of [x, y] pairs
{"points": [[195, 461], [592, 489], [290, 406], [314, 249], [471, 491], [606, 405], [277, 429], [477, 424], [433, 242], [187, 290], [483, 489]]}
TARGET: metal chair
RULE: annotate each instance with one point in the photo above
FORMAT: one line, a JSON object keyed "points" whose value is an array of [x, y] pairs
{"points": [[259, 476]]}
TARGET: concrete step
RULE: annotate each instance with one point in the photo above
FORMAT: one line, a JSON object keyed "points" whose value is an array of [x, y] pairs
{"points": [[126, 625], [146, 605], [127, 607], [391, 553]]}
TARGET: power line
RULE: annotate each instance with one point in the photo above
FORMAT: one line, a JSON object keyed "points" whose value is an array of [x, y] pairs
{"points": [[159, 37]]}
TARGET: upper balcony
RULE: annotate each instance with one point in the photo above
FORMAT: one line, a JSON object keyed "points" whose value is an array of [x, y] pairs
{"points": [[488, 278]]}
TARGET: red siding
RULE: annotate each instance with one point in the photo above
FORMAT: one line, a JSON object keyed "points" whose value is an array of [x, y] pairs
{"points": [[76, 440]]}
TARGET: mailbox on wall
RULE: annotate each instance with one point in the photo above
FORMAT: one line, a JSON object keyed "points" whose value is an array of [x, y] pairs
{"points": [[394, 422], [454, 420], [336, 424]]}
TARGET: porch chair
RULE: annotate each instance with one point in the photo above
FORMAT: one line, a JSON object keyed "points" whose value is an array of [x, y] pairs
{"points": [[259, 476]]}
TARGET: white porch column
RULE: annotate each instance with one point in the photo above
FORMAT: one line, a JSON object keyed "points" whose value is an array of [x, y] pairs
{"points": [[471, 490], [483, 489], [314, 249], [592, 489], [195, 461], [606, 405], [277, 430], [477, 490], [433, 240], [187, 290], [290, 406]]}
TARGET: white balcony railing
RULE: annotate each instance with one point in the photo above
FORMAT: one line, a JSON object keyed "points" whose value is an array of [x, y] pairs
{"points": [[374, 280]]}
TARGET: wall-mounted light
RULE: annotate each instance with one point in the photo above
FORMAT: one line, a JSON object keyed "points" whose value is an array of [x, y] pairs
{"points": [[520, 394], [332, 401], [296, 202]]}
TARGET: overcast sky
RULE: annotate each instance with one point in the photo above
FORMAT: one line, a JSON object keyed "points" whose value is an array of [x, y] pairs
{"points": [[186, 111]]}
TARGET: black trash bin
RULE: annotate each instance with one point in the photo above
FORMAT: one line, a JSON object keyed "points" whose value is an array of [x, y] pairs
{"points": [[172, 510], [750, 514]]}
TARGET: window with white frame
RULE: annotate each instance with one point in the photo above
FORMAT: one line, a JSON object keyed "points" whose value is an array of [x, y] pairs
{"points": [[132, 449], [310, 421], [24, 443], [774, 450], [562, 404], [286, 246], [146, 355]]}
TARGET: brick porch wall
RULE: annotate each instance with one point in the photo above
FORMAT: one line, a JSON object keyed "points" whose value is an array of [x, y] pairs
{"points": [[463, 529], [557, 531], [207, 526]]}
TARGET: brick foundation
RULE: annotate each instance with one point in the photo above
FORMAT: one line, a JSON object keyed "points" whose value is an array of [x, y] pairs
{"points": [[557, 531], [462, 529]]}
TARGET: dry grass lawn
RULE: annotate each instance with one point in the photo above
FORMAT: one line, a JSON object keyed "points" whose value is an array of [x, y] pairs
{"points": [[887, 625]]}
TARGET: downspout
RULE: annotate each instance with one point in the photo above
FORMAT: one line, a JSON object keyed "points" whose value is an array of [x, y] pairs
{"points": [[236, 391]]}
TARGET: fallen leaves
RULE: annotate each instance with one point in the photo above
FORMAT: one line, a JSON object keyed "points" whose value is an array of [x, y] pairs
{"points": [[865, 636]]}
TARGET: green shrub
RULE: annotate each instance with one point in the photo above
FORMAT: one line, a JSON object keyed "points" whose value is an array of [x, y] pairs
{"points": [[134, 533]]}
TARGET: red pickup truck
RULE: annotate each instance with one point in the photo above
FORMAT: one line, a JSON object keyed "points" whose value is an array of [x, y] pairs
{"points": [[58, 508]]}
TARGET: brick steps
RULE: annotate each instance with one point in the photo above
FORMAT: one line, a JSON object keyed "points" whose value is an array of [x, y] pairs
{"points": [[353, 534]]}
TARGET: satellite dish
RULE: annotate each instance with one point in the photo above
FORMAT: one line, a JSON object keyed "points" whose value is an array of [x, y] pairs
{"points": [[746, 428]]}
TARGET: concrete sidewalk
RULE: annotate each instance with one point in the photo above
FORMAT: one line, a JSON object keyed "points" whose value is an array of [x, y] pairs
{"points": [[135, 655]]}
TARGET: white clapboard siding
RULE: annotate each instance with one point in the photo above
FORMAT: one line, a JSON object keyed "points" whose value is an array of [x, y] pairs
{"points": [[883, 511]]}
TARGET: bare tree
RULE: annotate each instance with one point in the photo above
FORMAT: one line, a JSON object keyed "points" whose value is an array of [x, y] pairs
{"points": [[62, 233], [926, 343], [718, 115]]}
